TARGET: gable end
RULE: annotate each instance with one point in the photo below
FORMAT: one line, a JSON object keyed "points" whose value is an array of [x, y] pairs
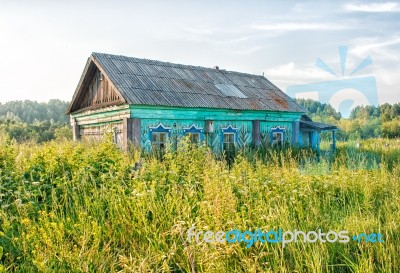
{"points": [[95, 90]]}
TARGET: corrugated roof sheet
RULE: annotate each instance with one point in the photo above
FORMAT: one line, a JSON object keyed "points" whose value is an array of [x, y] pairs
{"points": [[151, 82], [230, 90], [317, 126]]}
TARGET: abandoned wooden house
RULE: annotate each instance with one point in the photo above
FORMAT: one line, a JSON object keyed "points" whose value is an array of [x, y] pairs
{"points": [[150, 103]]}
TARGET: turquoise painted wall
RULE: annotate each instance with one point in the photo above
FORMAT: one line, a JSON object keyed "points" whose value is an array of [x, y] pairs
{"points": [[185, 118], [153, 116]]}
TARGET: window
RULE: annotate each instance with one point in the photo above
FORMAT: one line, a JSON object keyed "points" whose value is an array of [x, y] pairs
{"points": [[159, 140], [195, 134], [277, 136], [159, 136], [228, 144], [194, 137], [229, 140]]}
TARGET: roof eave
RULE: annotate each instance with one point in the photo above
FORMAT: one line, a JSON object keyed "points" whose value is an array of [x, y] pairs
{"points": [[77, 89]]}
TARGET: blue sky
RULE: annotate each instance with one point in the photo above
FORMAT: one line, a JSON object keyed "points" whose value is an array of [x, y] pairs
{"points": [[45, 44]]}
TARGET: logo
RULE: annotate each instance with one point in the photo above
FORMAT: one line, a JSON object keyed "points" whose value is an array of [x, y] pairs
{"points": [[344, 93], [280, 237]]}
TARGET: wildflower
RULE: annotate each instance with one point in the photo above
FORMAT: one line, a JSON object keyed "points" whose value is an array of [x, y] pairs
{"points": [[25, 221]]}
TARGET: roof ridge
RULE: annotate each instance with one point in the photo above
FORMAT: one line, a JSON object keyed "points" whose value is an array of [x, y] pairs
{"points": [[175, 65]]}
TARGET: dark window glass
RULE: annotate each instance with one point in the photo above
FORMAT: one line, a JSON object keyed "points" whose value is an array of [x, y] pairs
{"points": [[277, 138], [159, 140], [194, 137], [229, 142]]}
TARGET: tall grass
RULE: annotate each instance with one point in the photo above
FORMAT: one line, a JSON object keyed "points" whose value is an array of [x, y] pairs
{"points": [[87, 207]]}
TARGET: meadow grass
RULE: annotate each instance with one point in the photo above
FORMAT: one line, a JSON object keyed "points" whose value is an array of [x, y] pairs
{"points": [[83, 207]]}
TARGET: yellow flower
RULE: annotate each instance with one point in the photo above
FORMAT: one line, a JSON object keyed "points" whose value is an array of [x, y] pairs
{"points": [[25, 221]]}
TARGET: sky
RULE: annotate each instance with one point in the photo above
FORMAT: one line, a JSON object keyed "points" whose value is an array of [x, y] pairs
{"points": [[44, 45]]}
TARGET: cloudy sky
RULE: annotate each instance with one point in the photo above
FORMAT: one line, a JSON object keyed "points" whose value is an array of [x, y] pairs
{"points": [[45, 44]]}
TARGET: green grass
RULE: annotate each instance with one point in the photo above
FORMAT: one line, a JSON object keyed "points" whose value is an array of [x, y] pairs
{"points": [[80, 207]]}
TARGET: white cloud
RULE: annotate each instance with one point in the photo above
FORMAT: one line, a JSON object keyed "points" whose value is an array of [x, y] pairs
{"points": [[388, 84], [296, 26], [373, 7], [291, 74], [364, 46]]}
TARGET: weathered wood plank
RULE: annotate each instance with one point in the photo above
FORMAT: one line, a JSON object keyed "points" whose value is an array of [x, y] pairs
{"points": [[136, 132], [97, 93], [210, 114], [295, 132], [256, 137], [76, 130], [126, 132]]}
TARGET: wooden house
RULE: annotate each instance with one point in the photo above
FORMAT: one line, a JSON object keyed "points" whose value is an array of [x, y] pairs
{"points": [[150, 103]]}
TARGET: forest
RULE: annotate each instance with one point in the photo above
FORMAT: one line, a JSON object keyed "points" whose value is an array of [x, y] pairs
{"points": [[35, 121], [39, 122], [364, 122]]}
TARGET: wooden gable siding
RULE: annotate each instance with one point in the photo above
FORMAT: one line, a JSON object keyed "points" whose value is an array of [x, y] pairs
{"points": [[99, 92]]}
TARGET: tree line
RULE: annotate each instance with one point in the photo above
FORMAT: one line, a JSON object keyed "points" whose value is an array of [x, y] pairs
{"points": [[43, 121], [364, 121], [35, 121]]}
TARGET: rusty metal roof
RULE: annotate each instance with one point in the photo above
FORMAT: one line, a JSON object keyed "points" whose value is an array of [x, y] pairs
{"points": [[149, 82]]}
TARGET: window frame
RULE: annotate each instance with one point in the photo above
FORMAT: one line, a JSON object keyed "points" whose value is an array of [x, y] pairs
{"points": [[160, 145], [229, 131], [192, 135], [194, 130], [158, 131], [278, 131], [231, 148]]}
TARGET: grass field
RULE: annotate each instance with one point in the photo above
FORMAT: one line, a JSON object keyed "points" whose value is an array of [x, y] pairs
{"points": [[84, 207]]}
